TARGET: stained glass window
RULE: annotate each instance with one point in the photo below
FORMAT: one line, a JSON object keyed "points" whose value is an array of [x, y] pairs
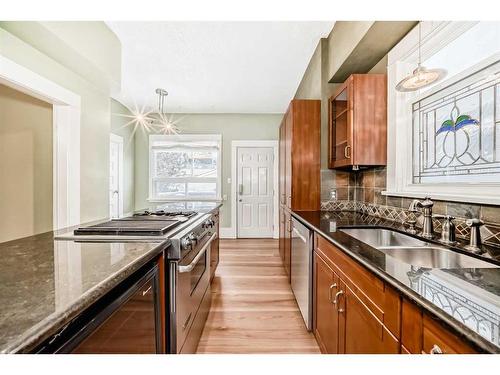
{"points": [[456, 131]]}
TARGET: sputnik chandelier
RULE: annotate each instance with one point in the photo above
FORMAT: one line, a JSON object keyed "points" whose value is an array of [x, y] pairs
{"points": [[151, 121]]}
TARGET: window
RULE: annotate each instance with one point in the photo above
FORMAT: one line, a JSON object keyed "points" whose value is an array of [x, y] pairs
{"points": [[453, 127], [184, 167]]}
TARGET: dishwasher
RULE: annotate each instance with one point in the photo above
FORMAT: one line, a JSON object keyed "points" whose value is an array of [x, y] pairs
{"points": [[301, 269]]}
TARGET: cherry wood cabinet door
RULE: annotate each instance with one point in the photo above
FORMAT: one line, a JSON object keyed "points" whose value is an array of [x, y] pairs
{"points": [[326, 318], [282, 162], [282, 233], [364, 333], [287, 243], [288, 156]]}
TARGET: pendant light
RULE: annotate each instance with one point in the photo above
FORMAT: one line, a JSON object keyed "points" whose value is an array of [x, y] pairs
{"points": [[164, 123], [421, 76]]}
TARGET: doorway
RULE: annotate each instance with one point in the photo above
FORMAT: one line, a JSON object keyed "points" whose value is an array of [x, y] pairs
{"points": [[115, 176], [254, 181]]}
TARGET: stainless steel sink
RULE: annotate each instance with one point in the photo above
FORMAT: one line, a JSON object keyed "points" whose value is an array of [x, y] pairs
{"points": [[377, 238], [412, 251]]}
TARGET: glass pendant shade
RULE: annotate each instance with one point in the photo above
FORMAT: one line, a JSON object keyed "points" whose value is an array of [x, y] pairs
{"points": [[421, 77]]}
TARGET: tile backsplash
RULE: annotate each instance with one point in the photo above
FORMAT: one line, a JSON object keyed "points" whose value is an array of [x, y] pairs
{"points": [[362, 191]]}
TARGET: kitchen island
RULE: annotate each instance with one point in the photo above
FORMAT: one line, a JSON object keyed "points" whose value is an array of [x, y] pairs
{"points": [[45, 283], [406, 303]]}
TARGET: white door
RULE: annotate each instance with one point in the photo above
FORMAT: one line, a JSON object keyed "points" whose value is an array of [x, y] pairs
{"points": [[255, 191], [115, 176]]}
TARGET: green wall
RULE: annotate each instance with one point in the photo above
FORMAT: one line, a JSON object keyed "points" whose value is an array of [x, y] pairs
{"points": [[25, 165], [118, 128], [23, 42], [231, 126]]}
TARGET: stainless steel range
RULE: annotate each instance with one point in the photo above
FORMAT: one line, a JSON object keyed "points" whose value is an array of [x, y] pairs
{"points": [[187, 269]]}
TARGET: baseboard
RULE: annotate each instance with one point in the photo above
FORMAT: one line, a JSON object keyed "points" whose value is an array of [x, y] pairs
{"points": [[227, 232]]}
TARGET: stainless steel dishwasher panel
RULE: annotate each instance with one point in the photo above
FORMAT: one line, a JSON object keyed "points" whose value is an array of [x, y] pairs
{"points": [[301, 269]]}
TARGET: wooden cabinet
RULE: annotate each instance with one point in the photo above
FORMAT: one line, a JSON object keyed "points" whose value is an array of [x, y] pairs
{"points": [[420, 333], [355, 312], [214, 247], [326, 287], [357, 132], [287, 251], [364, 332], [299, 165]]}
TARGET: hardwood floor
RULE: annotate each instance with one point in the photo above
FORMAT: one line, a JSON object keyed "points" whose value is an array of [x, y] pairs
{"points": [[253, 308]]}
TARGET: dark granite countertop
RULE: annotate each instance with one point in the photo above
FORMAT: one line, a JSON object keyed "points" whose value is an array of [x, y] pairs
{"points": [[465, 299], [45, 283]]}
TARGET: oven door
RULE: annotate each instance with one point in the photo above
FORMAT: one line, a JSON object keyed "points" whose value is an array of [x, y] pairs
{"points": [[192, 285]]}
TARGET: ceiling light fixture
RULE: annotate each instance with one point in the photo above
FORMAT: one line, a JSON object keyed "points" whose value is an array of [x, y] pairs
{"points": [[421, 76], [164, 123]]}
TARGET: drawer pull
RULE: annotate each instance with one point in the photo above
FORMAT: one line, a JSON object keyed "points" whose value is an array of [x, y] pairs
{"points": [[436, 350], [347, 152], [334, 285], [337, 295]]}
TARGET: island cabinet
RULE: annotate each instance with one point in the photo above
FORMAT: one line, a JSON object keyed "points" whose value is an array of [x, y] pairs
{"points": [[354, 311], [299, 166], [421, 333], [357, 131]]}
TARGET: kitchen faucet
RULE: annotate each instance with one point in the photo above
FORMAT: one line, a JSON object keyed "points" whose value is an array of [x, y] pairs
{"points": [[426, 206]]}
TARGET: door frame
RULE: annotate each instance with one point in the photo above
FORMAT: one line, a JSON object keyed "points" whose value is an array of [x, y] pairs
{"points": [[66, 108], [232, 232], [119, 139]]}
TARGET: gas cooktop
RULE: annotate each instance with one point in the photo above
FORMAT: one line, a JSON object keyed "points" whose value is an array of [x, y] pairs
{"points": [[146, 223]]}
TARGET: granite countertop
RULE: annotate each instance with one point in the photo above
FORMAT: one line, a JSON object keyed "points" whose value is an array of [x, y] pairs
{"points": [[45, 283], [465, 299]]}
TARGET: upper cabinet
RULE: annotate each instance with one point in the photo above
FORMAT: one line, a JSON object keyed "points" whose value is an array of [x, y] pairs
{"points": [[357, 132], [300, 156]]}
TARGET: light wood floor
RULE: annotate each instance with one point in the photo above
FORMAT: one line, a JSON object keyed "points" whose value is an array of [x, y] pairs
{"points": [[253, 308]]}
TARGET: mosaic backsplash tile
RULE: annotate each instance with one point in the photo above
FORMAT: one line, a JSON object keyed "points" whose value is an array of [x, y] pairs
{"points": [[362, 192]]}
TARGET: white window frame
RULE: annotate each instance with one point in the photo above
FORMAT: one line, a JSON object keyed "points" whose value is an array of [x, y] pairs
{"points": [[184, 138], [402, 59]]}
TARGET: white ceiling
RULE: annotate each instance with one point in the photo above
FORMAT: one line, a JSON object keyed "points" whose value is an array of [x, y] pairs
{"points": [[215, 67]]}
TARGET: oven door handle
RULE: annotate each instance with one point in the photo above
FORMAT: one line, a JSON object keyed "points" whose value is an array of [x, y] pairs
{"points": [[190, 266]]}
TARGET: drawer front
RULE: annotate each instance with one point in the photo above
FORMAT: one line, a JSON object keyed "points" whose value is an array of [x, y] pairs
{"points": [[437, 339], [383, 301]]}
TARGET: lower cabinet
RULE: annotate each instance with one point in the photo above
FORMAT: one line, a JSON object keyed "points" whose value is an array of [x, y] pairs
{"points": [[349, 319], [282, 233], [422, 334], [326, 287], [364, 333], [287, 256], [355, 312]]}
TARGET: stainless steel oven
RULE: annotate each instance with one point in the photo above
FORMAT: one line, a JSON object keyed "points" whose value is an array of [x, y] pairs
{"points": [[190, 288]]}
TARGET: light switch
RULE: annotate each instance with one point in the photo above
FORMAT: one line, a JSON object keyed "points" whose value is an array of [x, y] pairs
{"points": [[229, 180], [224, 197]]}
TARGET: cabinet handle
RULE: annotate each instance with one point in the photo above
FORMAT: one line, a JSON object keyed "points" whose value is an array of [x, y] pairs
{"points": [[334, 285], [337, 295], [435, 350], [347, 152]]}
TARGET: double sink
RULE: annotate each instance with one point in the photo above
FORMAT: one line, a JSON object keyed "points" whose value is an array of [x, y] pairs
{"points": [[413, 251]]}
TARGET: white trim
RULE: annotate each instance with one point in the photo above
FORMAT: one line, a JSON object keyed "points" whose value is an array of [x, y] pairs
{"points": [[234, 150], [227, 232], [401, 60], [66, 135], [184, 138], [119, 139]]}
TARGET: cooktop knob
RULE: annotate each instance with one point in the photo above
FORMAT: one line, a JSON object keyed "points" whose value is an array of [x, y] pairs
{"points": [[193, 237], [186, 243]]}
